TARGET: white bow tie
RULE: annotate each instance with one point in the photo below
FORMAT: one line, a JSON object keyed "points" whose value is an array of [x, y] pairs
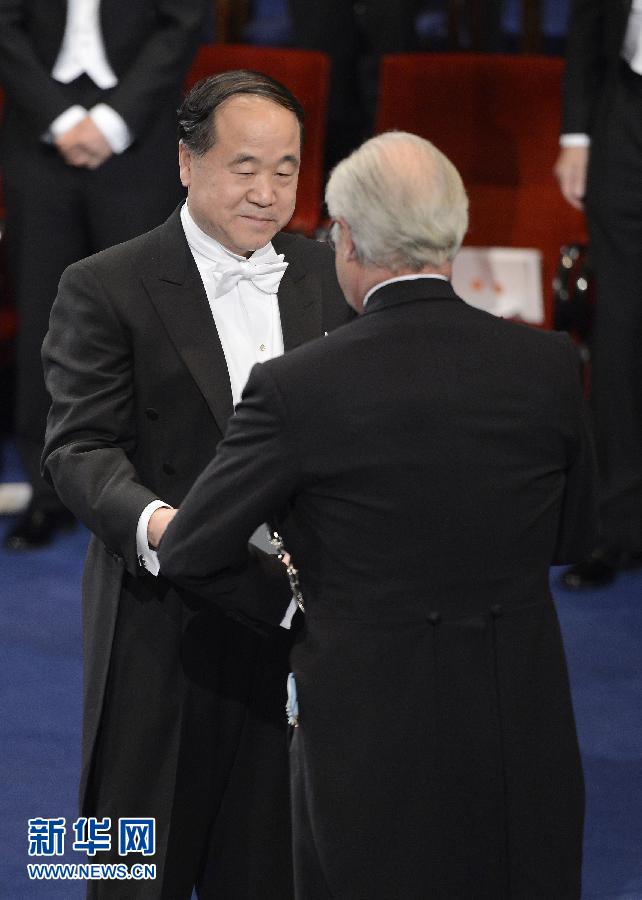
{"points": [[265, 276]]}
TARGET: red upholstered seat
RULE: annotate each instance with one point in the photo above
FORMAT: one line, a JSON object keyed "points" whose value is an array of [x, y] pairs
{"points": [[306, 73], [497, 118]]}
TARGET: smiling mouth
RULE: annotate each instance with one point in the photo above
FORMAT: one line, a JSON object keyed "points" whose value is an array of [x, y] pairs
{"points": [[257, 219]]}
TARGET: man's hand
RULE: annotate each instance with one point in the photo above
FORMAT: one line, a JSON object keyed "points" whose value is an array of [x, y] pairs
{"points": [[84, 145], [158, 522], [570, 170]]}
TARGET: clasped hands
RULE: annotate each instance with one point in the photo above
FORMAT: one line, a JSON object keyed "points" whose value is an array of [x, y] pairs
{"points": [[84, 145]]}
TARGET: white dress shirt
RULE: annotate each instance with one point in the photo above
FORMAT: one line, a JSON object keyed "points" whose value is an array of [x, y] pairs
{"points": [[249, 327], [247, 319], [83, 52]]}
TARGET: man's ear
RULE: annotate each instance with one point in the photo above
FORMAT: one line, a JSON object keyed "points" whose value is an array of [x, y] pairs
{"points": [[350, 249], [184, 164]]}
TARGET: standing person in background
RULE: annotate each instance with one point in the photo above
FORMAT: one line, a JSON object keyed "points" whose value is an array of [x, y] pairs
{"points": [[355, 36], [426, 465], [148, 351], [600, 169], [88, 155]]}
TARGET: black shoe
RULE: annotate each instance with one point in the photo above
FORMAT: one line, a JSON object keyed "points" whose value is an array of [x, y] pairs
{"points": [[590, 573], [37, 527]]}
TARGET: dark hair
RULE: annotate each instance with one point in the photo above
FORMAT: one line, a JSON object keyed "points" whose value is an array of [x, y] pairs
{"points": [[196, 114]]}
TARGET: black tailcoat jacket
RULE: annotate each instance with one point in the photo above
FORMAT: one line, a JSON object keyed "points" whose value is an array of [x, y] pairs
{"points": [[57, 213], [603, 99], [140, 399], [596, 34], [428, 462]]}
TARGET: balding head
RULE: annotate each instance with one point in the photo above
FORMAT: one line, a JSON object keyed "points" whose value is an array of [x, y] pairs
{"points": [[404, 202]]}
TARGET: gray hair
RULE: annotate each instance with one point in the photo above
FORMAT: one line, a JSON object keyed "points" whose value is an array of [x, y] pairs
{"points": [[404, 201]]}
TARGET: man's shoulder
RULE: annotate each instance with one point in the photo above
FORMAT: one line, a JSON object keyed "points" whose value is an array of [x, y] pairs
{"points": [[322, 356], [511, 340], [145, 252], [540, 339], [518, 349]]}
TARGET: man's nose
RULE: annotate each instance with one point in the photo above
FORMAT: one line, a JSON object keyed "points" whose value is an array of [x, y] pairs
{"points": [[261, 191]]}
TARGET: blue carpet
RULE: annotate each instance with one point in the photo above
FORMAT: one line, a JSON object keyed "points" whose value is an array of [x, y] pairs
{"points": [[40, 697], [40, 691], [603, 637]]}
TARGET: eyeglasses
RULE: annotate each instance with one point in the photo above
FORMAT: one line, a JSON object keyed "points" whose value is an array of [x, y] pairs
{"points": [[330, 238]]}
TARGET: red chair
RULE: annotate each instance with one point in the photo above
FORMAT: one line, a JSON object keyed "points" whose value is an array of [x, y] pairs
{"points": [[306, 73], [497, 118]]}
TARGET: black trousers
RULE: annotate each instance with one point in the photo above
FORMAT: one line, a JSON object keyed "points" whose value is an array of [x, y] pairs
{"points": [[193, 734], [614, 210], [355, 35], [309, 879], [58, 214]]}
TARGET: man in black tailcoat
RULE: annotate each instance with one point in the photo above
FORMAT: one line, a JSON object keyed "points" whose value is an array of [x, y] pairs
{"points": [[88, 155], [425, 465], [600, 169], [149, 347]]}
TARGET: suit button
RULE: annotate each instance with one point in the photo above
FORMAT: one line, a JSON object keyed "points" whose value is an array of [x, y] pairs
{"points": [[434, 618], [151, 413], [169, 470], [497, 611]]}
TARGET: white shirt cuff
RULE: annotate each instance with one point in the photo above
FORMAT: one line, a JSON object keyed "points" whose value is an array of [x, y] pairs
{"points": [[575, 140], [286, 621], [147, 557], [113, 126], [64, 122]]}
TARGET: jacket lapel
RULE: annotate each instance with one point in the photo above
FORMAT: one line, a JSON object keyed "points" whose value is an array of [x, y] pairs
{"points": [[180, 299], [300, 309], [300, 302]]}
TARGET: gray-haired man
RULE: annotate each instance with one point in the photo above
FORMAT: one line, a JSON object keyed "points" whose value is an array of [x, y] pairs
{"points": [[426, 465]]}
